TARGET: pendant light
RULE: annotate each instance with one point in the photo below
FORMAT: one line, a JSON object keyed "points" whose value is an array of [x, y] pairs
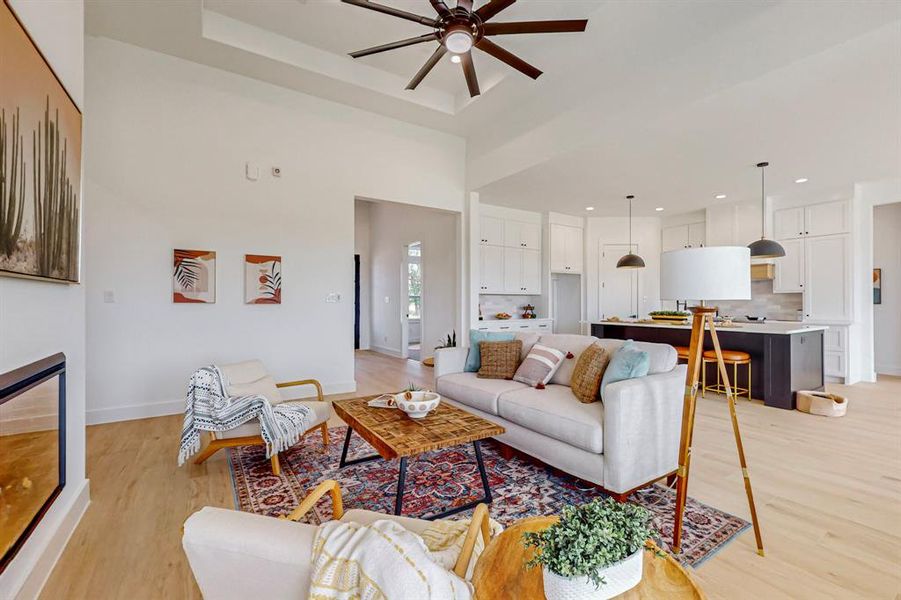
{"points": [[764, 248], [630, 260]]}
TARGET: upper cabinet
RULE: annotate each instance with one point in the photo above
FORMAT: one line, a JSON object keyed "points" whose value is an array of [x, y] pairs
{"points": [[566, 248], [789, 275], [522, 235], [733, 224], [828, 218], [510, 259], [492, 230], [827, 276], [693, 235]]}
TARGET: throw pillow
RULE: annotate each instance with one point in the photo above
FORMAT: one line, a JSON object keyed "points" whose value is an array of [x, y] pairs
{"points": [[474, 358], [499, 359], [586, 379], [627, 363], [539, 366], [569, 344]]}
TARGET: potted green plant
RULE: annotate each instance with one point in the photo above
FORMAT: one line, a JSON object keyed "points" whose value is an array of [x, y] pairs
{"points": [[449, 342], [593, 552]]}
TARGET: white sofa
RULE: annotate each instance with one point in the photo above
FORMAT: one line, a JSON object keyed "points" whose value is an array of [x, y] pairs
{"points": [[622, 443]]}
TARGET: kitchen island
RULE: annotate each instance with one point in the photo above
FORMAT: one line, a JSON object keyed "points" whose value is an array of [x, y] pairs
{"points": [[785, 357]]}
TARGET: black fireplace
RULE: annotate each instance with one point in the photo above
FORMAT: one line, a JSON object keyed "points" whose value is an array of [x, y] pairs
{"points": [[32, 448]]}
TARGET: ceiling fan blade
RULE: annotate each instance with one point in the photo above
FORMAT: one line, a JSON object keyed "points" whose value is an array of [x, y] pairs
{"points": [[572, 26], [467, 4], [393, 12], [472, 82], [429, 64], [428, 37], [493, 7], [486, 45], [440, 7]]}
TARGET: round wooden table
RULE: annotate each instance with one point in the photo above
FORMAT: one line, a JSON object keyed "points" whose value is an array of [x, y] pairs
{"points": [[501, 573]]}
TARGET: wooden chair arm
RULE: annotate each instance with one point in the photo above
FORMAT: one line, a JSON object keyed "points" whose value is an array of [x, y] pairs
{"points": [[478, 524], [329, 486], [303, 382]]}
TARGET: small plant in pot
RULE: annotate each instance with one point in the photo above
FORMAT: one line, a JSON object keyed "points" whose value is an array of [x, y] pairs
{"points": [[594, 552]]}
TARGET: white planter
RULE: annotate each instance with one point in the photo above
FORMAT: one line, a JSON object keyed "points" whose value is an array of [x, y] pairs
{"points": [[619, 577]]}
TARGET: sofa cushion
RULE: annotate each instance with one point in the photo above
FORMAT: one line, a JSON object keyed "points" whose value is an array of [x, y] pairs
{"points": [[587, 375], [567, 343], [627, 363], [539, 366], [250, 378], [662, 357], [499, 359], [528, 340], [474, 358], [556, 413], [468, 389]]}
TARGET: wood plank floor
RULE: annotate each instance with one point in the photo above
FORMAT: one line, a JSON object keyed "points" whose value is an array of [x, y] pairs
{"points": [[828, 492]]}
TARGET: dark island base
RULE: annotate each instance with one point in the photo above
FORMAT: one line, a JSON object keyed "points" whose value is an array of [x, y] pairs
{"points": [[781, 364]]}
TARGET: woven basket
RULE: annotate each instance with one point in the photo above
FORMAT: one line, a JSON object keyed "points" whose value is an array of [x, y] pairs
{"points": [[821, 403]]}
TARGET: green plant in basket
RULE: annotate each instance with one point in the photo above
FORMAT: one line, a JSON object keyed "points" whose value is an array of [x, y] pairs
{"points": [[589, 538], [669, 313]]}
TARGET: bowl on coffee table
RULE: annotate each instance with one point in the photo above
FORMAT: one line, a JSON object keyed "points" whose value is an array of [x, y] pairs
{"points": [[417, 404]]}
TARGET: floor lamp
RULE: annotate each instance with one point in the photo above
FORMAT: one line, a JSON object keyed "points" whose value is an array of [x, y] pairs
{"points": [[705, 274]]}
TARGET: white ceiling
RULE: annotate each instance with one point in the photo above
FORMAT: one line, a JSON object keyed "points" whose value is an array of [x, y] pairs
{"points": [[673, 102]]}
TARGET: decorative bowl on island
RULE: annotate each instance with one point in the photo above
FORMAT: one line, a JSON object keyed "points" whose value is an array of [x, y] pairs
{"points": [[417, 404]]}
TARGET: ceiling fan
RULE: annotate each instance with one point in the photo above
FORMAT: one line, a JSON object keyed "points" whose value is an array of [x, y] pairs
{"points": [[460, 29]]}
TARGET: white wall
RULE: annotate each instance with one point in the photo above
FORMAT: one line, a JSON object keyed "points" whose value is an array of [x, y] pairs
{"points": [[615, 230], [38, 319], [165, 169], [362, 239], [393, 226], [887, 316]]}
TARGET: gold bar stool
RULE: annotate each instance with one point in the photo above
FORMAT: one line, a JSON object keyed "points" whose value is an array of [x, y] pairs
{"points": [[681, 353], [730, 357]]}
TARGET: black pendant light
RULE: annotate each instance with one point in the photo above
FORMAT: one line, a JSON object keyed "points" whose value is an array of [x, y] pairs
{"points": [[764, 248], [630, 261]]}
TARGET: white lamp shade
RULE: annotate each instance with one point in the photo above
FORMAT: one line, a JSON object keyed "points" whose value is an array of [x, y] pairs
{"points": [[715, 273]]}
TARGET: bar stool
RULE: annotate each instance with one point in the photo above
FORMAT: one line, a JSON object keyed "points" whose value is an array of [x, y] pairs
{"points": [[730, 357], [681, 353]]}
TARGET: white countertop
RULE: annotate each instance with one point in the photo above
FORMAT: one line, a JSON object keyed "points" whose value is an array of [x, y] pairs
{"points": [[497, 321], [768, 327]]}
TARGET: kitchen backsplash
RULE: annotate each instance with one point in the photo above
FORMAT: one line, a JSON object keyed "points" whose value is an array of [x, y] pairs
{"points": [[512, 305], [764, 303]]}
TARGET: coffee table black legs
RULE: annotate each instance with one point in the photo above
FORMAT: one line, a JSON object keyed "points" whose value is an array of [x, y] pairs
{"points": [[402, 478]]}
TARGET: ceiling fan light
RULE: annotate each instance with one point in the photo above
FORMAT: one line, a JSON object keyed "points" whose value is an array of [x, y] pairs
{"points": [[458, 42], [455, 58]]}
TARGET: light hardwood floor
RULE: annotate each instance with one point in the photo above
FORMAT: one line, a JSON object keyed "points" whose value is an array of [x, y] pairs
{"points": [[828, 492]]}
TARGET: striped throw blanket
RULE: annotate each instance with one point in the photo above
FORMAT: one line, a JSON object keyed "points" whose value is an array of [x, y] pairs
{"points": [[208, 407]]}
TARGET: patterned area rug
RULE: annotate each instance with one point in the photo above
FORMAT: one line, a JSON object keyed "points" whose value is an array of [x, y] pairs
{"points": [[442, 479]]}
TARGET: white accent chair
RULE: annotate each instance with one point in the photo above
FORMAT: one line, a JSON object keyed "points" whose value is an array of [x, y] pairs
{"points": [[250, 377], [239, 555]]}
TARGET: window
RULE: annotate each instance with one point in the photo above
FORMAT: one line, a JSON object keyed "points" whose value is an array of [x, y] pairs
{"points": [[414, 281]]}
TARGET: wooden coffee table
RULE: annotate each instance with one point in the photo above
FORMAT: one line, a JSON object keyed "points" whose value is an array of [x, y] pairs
{"points": [[395, 435], [501, 572]]}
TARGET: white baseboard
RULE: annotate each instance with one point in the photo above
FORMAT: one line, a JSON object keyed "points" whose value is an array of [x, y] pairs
{"points": [[53, 547], [888, 370], [97, 416], [389, 351]]}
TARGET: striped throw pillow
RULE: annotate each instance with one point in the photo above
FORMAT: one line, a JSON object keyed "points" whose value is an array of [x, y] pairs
{"points": [[539, 366]]}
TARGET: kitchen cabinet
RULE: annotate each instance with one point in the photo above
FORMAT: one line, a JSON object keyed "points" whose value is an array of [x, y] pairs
{"points": [[492, 231], [827, 278], [721, 222], [826, 218], [835, 352], [538, 325], [789, 277], [522, 235], [566, 249], [522, 271], [692, 235], [491, 270]]}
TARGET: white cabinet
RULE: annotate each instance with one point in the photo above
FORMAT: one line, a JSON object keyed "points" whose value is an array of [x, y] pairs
{"points": [[491, 270], [492, 231], [747, 223], [835, 355], [522, 235], [827, 218], [538, 325], [692, 235], [827, 278], [790, 268], [566, 249], [522, 271]]}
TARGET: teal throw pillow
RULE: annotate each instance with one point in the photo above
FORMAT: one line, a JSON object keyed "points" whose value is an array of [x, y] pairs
{"points": [[627, 363], [474, 358]]}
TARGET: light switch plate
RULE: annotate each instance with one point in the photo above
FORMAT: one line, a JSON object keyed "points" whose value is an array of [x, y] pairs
{"points": [[333, 297]]}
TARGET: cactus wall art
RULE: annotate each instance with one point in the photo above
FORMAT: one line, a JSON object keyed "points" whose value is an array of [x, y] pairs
{"points": [[40, 163]]}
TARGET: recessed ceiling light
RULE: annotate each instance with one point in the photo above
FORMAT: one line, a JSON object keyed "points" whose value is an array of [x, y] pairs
{"points": [[455, 58], [659, 209], [720, 196], [801, 180], [589, 208]]}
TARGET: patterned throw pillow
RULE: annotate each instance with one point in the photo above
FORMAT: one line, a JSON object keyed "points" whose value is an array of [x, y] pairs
{"points": [[539, 366], [586, 379], [499, 359]]}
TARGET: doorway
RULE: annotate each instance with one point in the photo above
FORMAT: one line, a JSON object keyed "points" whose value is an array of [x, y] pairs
{"points": [[356, 301], [887, 289], [618, 293], [411, 308]]}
